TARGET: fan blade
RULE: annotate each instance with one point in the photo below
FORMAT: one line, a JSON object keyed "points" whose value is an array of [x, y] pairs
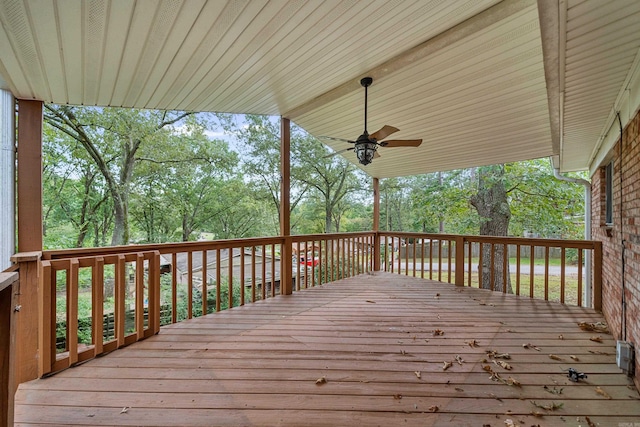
{"points": [[339, 152], [337, 139], [383, 133], [401, 143]]}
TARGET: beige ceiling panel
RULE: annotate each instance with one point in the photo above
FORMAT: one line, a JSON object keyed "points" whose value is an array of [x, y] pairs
{"points": [[70, 28]]}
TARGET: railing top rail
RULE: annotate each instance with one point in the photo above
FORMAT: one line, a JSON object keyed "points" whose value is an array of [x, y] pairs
{"points": [[7, 279], [527, 241], [163, 248], [322, 236]]}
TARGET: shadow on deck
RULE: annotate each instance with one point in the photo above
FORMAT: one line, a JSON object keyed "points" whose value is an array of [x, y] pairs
{"points": [[368, 350]]}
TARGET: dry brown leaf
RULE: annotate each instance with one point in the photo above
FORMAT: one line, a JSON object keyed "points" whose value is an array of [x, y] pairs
{"points": [[509, 423], [554, 357], [472, 343], [530, 346], [560, 337], [596, 339], [495, 355], [418, 374], [459, 389], [459, 360], [599, 352], [437, 332], [321, 380], [512, 381], [589, 422], [397, 396], [510, 330], [548, 407], [554, 390], [434, 408], [503, 364], [537, 414], [487, 368], [125, 409], [371, 302], [594, 327], [603, 393], [575, 358], [447, 365]]}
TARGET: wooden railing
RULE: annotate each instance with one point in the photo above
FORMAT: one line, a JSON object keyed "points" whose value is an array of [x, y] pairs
{"points": [[567, 271], [130, 291], [127, 293]]}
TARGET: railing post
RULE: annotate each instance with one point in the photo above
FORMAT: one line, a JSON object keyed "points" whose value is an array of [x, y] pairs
{"points": [[459, 280], [7, 347], [27, 319], [597, 276]]}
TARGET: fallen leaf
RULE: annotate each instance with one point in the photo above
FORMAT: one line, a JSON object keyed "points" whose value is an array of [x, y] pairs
{"points": [[594, 327], [530, 346], [548, 407], [418, 374], [510, 330], [447, 365], [554, 390], [599, 352], [575, 358], [596, 339], [438, 332], [434, 408], [459, 389], [509, 423], [512, 381], [125, 409], [554, 357], [560, 337], [589, 422], [459, 360], [472, 343], [495, 355], [91, 415], [403, 352], [603, 393], [537, 414], [493, 396], [371, 302], [487, 368], [321, 380], [503, 364], [397, 396]]}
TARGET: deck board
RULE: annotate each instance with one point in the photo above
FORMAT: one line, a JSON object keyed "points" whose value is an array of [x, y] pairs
{"points": [[257, 365]]}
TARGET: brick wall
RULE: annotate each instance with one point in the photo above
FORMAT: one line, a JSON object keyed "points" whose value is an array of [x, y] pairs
{"points": [[625, 228]]}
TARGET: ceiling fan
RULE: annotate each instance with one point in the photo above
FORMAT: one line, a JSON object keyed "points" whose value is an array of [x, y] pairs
{"points": [[366, 145]]}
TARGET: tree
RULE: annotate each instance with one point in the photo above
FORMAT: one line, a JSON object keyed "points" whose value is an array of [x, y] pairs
{"points": [[331, 179], [112, 138], [492, 206]]}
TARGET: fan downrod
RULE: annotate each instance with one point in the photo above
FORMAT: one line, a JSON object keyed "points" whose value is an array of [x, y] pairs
{"points": [[366, 81]]}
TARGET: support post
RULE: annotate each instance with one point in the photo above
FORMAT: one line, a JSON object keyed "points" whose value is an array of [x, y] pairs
{"points": [[27, 318], [29, 175], [286, 269], [597, 276], [376, 224], [7, 348]]}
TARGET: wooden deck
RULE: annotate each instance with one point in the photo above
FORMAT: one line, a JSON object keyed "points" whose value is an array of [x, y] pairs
{"points": [[379, 342]]}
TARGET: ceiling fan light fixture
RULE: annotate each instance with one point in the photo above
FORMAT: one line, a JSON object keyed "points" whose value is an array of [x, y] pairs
{"points": [[365, 151]]}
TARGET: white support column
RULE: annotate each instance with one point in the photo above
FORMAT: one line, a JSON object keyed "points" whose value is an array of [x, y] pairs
{"points": [[7, 178]]}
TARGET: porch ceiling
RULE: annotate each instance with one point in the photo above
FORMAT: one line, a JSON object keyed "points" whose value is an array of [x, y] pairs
{"points": [[481, 81]]}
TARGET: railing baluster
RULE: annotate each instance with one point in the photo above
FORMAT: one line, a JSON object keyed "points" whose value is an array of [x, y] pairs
{"points": [[120, 278], [546, 273], [218, 280], [253, 274], [562, 274], [469, 277], [97, 303], [139, 302], [440, 260], [273, 270], [531, 270], [480, 264], [518, 269], [189, 285], [505, 267], [430, 259], [174, 287], [264, 273], [72, 310], [579, 278], [242, 275], [204, 282], [230, 280]]}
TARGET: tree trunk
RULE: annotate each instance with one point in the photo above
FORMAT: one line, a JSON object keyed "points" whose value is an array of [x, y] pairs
{"points": [[493, 208]]}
